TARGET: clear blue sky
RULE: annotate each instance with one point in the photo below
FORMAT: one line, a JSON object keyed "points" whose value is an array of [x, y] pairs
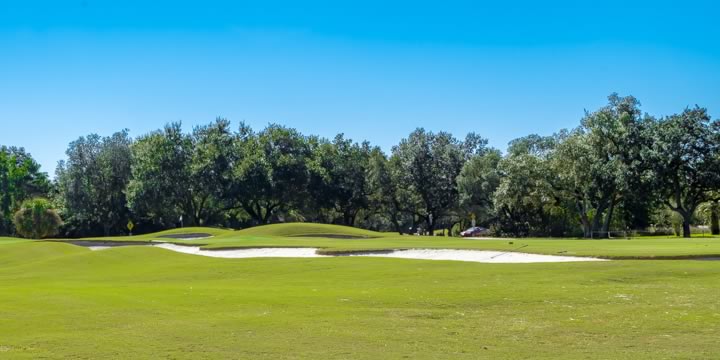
{"points": [[374, 70]]}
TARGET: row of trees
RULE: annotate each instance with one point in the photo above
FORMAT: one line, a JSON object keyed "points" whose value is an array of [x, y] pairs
{"points": [[217, 176], [619, 169]]}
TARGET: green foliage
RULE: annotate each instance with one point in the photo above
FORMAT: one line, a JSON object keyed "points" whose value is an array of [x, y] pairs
{"points": [[388, 200], [477, 183], [665, 218], [176, 174], [709, 214], [588, 172], [160, 183], [528, 200], [20, 179], [598, 162], [614, 171], [36, 219], [685, 159], [271, 173], [339, 179], [428, 166], [92, 182]]}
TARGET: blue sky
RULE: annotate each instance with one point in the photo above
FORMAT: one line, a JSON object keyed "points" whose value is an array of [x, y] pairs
{"points": [[373, 70]]}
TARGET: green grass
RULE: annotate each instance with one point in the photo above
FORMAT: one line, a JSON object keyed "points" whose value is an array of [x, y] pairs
{"points": [[282, 230], [305, 229], [158, 235], [64, 301], [645, 248], [312, 235]]}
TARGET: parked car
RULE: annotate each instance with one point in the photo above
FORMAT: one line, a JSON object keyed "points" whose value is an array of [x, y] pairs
{"points": [[474, 231]]}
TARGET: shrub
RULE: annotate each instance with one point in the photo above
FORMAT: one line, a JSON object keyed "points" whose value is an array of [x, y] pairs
{"points": [[36, 219]]}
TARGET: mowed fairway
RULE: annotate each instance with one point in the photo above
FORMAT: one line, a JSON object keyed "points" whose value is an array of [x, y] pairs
{"points": [[65, 301], [334, 239]]}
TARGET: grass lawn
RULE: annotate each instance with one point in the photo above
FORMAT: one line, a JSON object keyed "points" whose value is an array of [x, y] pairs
{"points": [[313, 235], [64, 301]]}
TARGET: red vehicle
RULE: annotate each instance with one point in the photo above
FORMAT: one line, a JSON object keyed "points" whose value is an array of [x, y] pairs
{"points": [[474, 231]]}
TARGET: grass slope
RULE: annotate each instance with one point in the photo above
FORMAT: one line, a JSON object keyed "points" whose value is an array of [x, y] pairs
{"points": [[158, 235], [307, 229], [64, 301], [637, 248], [314, 235]]}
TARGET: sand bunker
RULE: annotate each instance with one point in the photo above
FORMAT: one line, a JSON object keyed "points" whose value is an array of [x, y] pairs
{"points": [[419, 254], [242, 253], [476, 256]]}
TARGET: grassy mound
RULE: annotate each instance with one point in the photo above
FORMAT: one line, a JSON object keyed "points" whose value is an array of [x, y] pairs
{"points": [[159, 235], [309, 230], [192, 230]]}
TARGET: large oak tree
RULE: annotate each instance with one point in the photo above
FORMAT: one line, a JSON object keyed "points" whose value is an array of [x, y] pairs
{"points": [[685, 157]]}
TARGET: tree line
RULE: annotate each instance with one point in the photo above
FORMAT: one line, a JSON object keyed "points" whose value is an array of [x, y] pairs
{"points": [[619, 169]]}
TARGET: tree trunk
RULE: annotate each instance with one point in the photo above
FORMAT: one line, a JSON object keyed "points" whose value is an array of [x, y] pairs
{"points": [[252, 210], [715, 218], [431, 226], [396, 223], [608, 219], [597, 220], [348, 218], [587, 227], [587, 230], [267, 216], [686, 224]]}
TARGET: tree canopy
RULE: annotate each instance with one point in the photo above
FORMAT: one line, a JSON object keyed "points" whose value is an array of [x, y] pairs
{"points": [[618, 170], [20, 179]]}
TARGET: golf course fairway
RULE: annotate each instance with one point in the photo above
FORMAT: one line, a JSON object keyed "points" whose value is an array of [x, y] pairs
{"points": [[61, 301]]}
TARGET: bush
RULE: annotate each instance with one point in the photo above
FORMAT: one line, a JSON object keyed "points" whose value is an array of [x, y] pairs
{"points": [[36, 219]]}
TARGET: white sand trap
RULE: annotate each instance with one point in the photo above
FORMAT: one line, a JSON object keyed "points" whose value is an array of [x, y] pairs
{"points": [[478, 256], [419, 254], [243, 253], [96, 248]]}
